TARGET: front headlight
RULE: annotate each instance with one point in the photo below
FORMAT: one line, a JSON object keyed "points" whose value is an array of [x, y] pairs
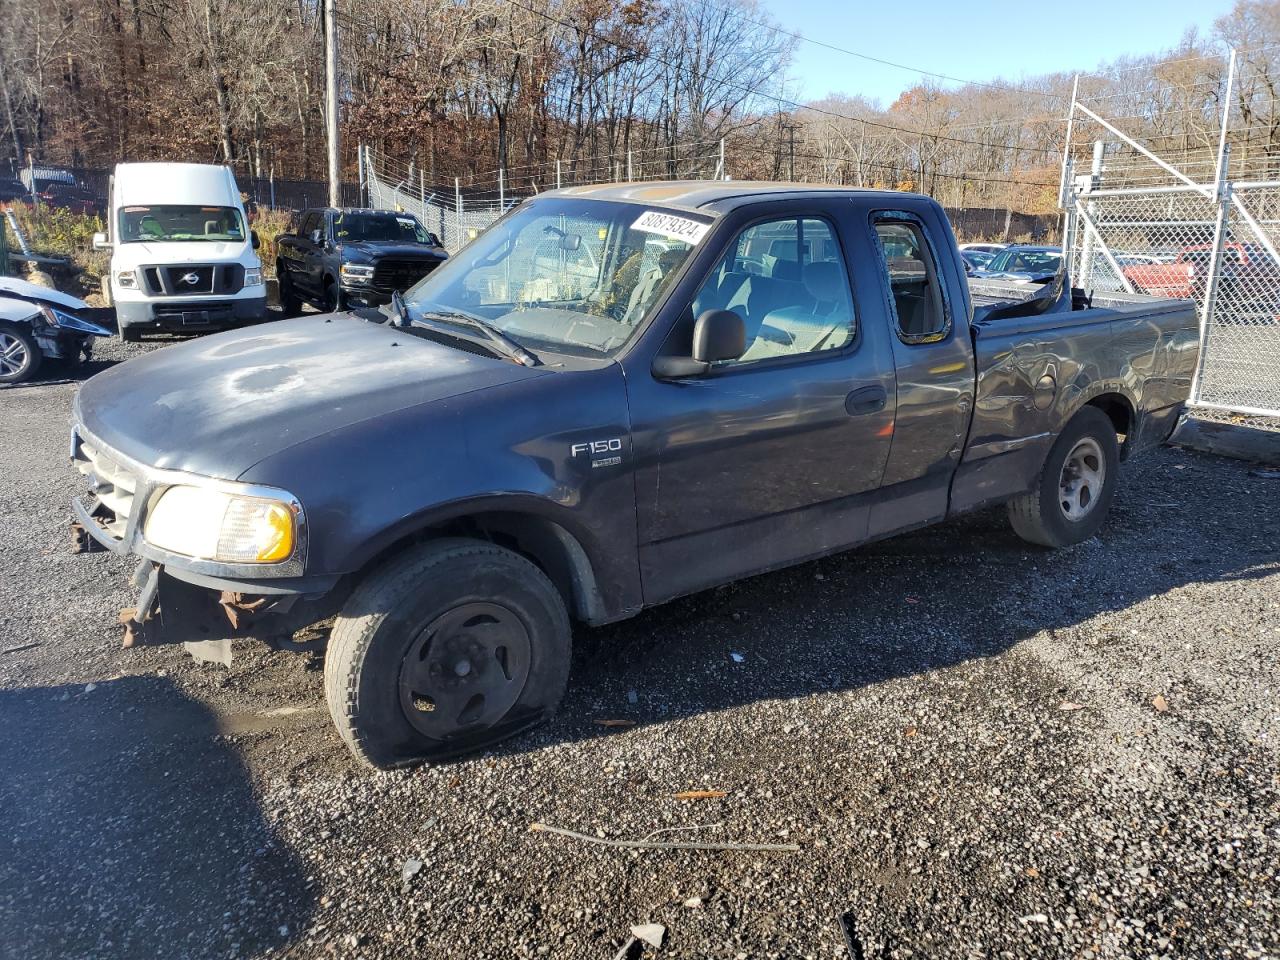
{"points": [[66, 321], [252, 276], [127, 279], [209, 524], [357, 272]]}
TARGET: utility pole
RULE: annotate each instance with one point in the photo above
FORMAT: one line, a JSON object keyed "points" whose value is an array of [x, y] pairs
{"points": [[791, 150], [331, 97]]}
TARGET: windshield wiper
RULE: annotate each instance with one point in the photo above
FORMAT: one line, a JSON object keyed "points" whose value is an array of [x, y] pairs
{"points": [[508, 346]]}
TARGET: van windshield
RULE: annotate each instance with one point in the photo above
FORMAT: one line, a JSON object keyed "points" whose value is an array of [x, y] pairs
{"points": [[180, 222], [565, 274]]}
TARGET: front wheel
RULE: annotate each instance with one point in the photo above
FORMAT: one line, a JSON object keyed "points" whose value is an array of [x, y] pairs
{"points": [[1076, 485], [446, 649], [19, 355], [290, 304]]}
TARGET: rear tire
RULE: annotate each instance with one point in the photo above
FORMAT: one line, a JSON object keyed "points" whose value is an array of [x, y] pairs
{"points": [[1076, 486], [19, 355], [446, 649]]}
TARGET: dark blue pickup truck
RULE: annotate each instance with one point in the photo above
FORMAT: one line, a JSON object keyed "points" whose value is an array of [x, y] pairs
{"points": [[615, 396], [353, 257]]}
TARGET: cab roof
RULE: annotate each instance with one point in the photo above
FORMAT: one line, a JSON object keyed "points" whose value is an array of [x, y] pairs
{"points": [[721, 195]]}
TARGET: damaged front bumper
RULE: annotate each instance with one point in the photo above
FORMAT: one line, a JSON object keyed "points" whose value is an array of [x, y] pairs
{"points": [[185, 599], [172, 610]]}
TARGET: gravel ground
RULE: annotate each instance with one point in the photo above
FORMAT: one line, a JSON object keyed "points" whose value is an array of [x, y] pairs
{"points": [[982, 750]]}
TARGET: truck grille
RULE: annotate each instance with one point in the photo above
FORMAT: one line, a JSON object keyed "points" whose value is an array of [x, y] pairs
{"points": [[401, 274], [112, 487], [193, 279], [189, 279]]}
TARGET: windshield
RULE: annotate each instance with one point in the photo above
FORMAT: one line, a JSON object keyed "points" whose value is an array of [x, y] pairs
{"points": [[1025, 261], [180, 222], [378, 228], [573, 275]]}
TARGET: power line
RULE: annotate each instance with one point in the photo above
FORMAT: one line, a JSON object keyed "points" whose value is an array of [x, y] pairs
{"points": [[782, 101], [880, 60]]}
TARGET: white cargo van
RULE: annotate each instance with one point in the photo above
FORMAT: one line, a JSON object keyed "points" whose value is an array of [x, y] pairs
{"points": [[182, 254]]}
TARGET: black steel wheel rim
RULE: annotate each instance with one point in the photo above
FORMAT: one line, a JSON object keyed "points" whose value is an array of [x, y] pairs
{"points": [[465, 670]]}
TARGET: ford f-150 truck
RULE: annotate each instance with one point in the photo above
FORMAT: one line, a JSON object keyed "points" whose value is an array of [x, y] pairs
{"points": [[349, 257], [615, 396]]}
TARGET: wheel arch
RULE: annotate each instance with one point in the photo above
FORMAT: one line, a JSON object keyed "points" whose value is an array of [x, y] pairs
{"points": [[1122, 413], [527, 528]]}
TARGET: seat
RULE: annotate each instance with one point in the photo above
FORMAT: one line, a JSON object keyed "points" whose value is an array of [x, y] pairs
{"points": [[822, 321]]}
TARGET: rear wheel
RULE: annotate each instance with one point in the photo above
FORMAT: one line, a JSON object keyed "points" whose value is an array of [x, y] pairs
{"points": [[19, 355], [1076, 486], [446, 649]]}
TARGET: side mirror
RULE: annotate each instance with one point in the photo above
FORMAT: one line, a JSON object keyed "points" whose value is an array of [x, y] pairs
{"points": [[718, 335], [100, 242], [571, 242], [253, 239]]}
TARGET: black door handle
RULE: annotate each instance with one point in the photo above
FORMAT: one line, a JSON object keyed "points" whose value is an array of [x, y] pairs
{"points": [[865, 400]]}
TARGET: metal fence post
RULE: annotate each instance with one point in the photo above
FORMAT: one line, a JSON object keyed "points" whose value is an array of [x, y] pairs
{"points": [[360, 169], [557, 174], [724, 174], [1222, 195], [629, 176], [457, 208], [1086, 251], [502, 189]]}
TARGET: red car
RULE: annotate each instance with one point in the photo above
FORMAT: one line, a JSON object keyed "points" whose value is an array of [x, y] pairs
{"points": [[1185, 277], [72, 196]]}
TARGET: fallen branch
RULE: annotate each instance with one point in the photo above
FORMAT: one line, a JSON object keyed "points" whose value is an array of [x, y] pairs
{"points": [[647, 844]]}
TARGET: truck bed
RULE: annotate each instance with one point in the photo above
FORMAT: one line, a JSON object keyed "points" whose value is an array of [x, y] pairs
{"points": [[1033, 372]]}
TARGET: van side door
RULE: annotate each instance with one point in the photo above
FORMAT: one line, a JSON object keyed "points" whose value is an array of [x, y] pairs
{"points": [[776, 456]]}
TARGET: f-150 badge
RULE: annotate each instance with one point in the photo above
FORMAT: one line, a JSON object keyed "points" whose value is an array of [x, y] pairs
{"points": [[603, 453]]}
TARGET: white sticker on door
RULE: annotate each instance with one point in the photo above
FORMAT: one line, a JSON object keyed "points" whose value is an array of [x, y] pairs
{"points": [[671, 226]]}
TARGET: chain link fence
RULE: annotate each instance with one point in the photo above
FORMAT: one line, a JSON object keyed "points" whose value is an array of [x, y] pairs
{"points": [[1165, 242]]}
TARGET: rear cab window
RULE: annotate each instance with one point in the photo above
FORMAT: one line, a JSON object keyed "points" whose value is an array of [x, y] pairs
{"points": [[911, 273]]}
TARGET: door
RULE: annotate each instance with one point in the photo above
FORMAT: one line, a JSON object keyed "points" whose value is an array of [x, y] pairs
{"points": [[300, 252], [933, 358], [776, 456]]}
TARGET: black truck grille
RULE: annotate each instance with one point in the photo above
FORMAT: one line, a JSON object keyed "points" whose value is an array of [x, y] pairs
{"points": [[401, 274]]}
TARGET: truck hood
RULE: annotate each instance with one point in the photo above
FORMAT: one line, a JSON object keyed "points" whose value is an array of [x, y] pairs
{"points": [[217, 405], [372, 250]]}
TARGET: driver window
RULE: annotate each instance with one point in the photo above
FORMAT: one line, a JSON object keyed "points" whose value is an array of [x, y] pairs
{"points": [[786, 279]]}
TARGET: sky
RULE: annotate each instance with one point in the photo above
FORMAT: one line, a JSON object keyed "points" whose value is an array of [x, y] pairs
{"points": [[976, 40]]}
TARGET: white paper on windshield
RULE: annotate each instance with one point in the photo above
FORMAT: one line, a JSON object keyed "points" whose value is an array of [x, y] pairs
{"points": [[407, 221], [670, 226]]}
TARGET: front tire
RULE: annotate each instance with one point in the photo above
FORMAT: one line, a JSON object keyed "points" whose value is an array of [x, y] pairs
{"points": [[130, 334], [1077, 484], [290, 304], [19, 355], [445, 649]]}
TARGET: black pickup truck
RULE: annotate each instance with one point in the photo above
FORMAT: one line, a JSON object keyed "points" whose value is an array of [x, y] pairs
{"points": [[615, 396], [353, 257]]}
